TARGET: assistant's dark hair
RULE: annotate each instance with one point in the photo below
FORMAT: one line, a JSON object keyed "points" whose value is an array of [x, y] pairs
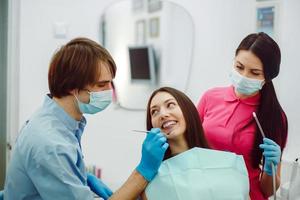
{"points": [[269, 112], [194, 134], [76, 65]]}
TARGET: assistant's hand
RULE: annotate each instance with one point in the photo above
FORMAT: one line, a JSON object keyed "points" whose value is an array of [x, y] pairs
{"points": [[98, 187], [153, 151], [272, 154]]}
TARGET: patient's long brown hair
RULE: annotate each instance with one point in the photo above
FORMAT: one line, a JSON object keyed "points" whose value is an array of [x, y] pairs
{"points": [[194, 134]]}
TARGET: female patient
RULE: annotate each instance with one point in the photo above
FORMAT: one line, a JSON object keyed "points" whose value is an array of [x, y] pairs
{"points": [[188, 172]]}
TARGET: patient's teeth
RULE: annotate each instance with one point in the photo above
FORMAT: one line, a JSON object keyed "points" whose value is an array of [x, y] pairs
{"points": [[168, 123]]}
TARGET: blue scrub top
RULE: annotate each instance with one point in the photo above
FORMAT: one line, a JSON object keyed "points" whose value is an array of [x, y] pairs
{"points": [[47, 161]]}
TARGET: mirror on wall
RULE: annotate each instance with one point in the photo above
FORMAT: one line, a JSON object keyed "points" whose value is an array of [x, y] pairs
{"points": [[152, 44]]}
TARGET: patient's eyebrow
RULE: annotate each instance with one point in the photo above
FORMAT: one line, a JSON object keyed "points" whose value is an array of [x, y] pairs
{"points": [[166, 101]]}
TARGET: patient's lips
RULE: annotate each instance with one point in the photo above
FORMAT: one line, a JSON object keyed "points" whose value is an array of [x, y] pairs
{"points": [[168, 125]]}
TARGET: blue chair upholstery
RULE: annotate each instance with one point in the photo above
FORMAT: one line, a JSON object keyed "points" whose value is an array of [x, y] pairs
{"points": [[1, 195]]}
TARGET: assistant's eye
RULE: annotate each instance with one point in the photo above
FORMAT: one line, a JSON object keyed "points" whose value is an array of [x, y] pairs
{"points": [[255, 73]]}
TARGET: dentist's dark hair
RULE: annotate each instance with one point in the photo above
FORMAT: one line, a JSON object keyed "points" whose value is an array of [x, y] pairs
{"points": [[270, 113], [194, 134]]}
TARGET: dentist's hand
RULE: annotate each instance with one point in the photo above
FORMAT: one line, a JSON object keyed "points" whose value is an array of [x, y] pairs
{"points": [[98, 187], [272, 154], [153, 151]]}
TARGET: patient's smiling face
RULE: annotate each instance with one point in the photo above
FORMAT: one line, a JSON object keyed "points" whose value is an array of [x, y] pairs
{"points": [[167, 115]]}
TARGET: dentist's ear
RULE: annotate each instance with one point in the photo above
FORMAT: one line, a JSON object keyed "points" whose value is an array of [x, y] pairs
{"points": [[78, 94], [74, 92]]}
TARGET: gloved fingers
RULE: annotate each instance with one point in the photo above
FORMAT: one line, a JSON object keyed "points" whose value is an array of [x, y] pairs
{"points": [[91, 179], [105, 187], [108, 192], [155, 130], [104, 192], [161, 141], [158, 137], [150, 136], [274, 160], [270, 142], [165, 147], [268, 147], [105, 196], [270, 154], [154, 133], [153, 136]]}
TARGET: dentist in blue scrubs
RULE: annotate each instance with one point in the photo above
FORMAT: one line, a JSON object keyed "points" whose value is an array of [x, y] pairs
{"points": [[47, 161]]}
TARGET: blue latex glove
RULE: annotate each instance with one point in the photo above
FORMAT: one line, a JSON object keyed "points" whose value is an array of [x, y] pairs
{"points": [[272, 154], [98, 187], [1, 195], [153, 151]]}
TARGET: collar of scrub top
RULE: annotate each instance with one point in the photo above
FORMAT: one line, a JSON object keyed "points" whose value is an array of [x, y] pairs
{"points": [[229, 96], [70, 122]]}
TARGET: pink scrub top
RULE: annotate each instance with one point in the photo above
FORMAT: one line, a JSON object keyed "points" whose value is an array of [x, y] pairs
{"points": [[223, 115]]}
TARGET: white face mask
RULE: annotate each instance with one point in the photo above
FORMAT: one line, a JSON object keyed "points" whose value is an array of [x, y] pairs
{"points": [[244, 85]]}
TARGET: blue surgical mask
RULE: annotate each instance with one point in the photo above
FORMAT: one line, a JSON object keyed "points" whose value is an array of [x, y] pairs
{"points": [[244, 85], [98, 102]]}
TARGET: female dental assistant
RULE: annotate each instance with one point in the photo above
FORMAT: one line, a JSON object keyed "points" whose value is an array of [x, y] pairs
{"points": [[47, 162], [226, 113]]}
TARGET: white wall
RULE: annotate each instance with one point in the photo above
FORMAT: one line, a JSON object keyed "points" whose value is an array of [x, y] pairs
{"points": [[172, 48], [288, 83], [37, 43], [176, 46], [219, 25], [120, 34]]}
